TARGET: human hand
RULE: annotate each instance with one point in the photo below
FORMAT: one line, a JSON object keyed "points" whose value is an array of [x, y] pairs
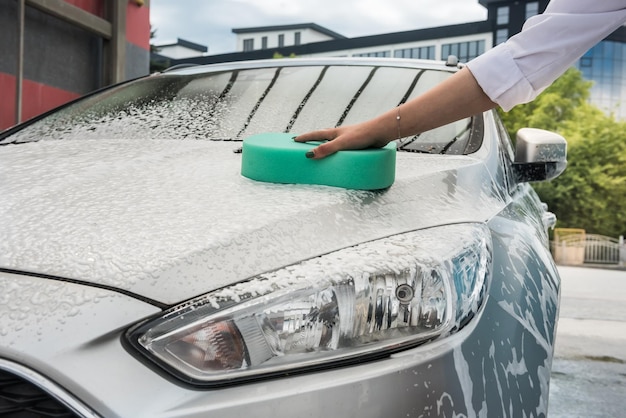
{"points": [[457, 97], [342, 138]]}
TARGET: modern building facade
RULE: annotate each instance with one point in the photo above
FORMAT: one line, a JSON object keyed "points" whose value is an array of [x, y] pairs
{"points": [[604, 64], [56, 50]]}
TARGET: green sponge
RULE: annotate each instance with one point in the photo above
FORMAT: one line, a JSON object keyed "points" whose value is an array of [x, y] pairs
{"points": [[277, 158]]}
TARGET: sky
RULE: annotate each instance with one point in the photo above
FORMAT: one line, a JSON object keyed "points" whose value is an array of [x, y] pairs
{"points": [[210, 22]]}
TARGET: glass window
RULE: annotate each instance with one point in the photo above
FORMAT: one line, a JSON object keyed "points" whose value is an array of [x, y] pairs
{"points": [[248, 45], [296, 38], [501, 35], [473, 49], [532, 9], [605, 65], [281, 40], [427, 53], [445, 51], [463, 47], [454, 49], [464, 51], [264, 42], [422, 52], [219, 106], [502, 17], [377, 54]]}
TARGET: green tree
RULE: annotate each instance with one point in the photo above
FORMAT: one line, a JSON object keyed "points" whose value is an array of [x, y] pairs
{"points": [[153, 48], [278, 55], [552, 107], [157, 62], [591, 193]]}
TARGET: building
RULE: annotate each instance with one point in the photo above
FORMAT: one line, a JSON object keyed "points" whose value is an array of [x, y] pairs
{"points": [[181, 49], [161, 55], [605, 64], [56, 50], [267, 37]]}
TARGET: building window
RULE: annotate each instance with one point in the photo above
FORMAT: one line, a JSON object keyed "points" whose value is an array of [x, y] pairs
{"points": [[248, 45], [264, 42], [605, 65], [296, 38], [281, 40], [532, 9], [422, 52], [377, 54], [501, 35], [502, 16], [586, 62], [464, 51]]}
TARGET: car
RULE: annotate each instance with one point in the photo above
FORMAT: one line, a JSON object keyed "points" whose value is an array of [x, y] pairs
{"points": [[142, 275]]}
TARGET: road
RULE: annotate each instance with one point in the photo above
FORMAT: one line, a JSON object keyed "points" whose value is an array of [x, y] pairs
{"points": [[589, 369]]}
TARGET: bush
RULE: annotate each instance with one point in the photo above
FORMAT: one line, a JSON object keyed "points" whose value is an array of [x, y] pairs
{"points": [[591, 193]]}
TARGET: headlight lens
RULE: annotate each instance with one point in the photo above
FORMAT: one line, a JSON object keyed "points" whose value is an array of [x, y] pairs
{"points": [[364, 301]]}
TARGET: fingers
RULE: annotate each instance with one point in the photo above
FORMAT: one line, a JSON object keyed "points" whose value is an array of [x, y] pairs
{"points": [[338, 139], [323, 150], [321, 135]]}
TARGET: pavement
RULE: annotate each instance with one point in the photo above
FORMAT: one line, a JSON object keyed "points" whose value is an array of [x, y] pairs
{"points": [[589, 368]]}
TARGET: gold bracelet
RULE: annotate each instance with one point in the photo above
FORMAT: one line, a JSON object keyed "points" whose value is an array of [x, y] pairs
{"points": [[398, 119]]}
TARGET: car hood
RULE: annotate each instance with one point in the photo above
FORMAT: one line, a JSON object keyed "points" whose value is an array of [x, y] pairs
{"points": [[169, 220]]}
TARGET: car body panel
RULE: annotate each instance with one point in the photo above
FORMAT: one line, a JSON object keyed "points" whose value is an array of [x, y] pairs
{"points": [[99, 236], [167, 237], [507, 348]]}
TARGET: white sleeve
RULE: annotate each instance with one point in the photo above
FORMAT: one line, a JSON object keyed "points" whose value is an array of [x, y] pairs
{"points": [[517, 70]]}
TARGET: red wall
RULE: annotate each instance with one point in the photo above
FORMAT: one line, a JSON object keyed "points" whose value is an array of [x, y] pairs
{"points": [[137, 18], [36, 99], [95, 7], [138, 25], [7, 100]]}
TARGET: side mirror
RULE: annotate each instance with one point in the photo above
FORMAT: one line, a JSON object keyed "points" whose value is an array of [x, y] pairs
{"points": [[539, 155]]}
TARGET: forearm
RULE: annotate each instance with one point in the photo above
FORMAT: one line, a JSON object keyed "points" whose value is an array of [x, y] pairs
{"points": [[456, 98]]}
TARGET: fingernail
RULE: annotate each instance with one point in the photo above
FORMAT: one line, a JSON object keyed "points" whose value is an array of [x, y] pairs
{"points": [[294, 137], [309, 154]]}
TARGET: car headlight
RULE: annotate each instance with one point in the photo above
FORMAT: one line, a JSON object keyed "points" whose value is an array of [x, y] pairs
{"points": [[351, 305]]}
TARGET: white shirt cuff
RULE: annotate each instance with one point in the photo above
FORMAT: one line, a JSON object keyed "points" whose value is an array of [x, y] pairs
{"points": [[501, 79]]}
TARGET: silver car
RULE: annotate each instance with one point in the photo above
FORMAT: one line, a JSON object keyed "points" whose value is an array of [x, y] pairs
{"points": [[141, 275]]}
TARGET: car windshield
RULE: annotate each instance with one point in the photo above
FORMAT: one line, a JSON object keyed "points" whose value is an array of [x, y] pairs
{"points": [[231, 105]]}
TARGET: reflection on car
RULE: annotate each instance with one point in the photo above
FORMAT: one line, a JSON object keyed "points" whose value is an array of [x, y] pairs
{"points": [[142, 275]]}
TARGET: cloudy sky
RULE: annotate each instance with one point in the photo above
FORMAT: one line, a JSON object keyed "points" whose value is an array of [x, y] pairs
{"points": [[209, 22]]}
